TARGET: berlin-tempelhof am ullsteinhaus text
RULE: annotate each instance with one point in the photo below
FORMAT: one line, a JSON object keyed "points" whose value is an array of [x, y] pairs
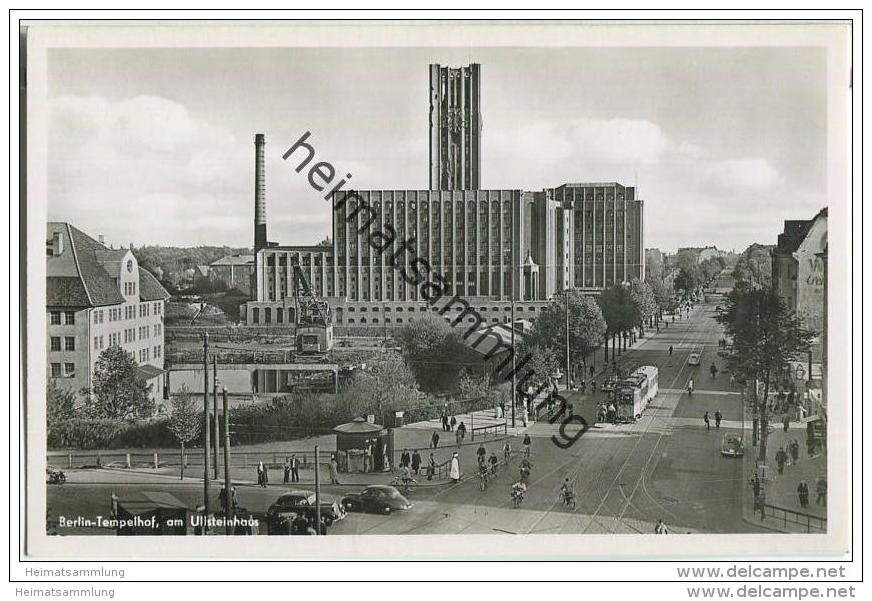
{"points": [[417, 271]]}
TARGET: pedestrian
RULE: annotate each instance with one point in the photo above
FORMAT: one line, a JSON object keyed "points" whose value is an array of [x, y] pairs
{"points": [[821, 489], [794, 450], [405, 458], [259, 470], [295, 471], [524, 416], [705, 418], [690, 387], [452, 423], [445, 425], [583, 386], [434, 440], [507, 451], [334, 469], [802, 492], [612, 413], [265, 475], [462, 429], [755, 484], [670, 350], [718, 418], [454, 471], [786, 421], [660, 528], [431, 467], [593, 386], [780, 459], [287, 470], [458, 436], [591, 371], [527, 444], [416, 461]]}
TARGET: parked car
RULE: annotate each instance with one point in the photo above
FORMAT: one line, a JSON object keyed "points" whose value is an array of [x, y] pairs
{"points": [[732, 446], [376, 499], [693, 359], [302, 502]]}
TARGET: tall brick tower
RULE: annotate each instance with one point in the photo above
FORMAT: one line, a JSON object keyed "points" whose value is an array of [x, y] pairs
{"points": [[455, 128], [259, 194]]}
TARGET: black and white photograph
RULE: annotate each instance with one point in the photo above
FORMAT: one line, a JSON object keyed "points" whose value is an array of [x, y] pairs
{"points": [[466, 289]]}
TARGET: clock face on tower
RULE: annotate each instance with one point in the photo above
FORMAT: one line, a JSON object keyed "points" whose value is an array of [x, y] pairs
{"points": [[130, 265]]}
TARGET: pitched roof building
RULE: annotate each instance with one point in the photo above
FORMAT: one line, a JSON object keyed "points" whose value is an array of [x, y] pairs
{"points": [[97, 297]]}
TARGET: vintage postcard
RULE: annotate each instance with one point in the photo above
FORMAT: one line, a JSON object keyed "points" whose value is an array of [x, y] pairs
{"points": [[458, 290]]}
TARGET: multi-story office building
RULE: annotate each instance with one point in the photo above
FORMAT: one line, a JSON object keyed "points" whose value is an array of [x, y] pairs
{"points": [[97, 297], [492, 246]]}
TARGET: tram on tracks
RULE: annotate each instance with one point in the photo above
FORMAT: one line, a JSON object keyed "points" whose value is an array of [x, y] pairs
{"points": [[636, 391]]}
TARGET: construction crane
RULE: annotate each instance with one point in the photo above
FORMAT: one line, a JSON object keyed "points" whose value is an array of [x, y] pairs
{"points": [[312, 318]]}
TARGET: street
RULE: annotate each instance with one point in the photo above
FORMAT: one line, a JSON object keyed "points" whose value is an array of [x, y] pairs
{"points": [[667, 466]]}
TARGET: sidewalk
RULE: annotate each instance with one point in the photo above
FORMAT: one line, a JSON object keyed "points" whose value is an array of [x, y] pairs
{"points": [[781, 490]]}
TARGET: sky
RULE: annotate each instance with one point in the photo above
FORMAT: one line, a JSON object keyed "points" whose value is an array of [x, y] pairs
{"points": [[155, 146]]}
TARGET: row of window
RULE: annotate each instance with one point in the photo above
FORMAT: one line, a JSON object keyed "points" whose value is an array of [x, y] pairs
{"points": [[69, 318], [424, 309], [69, 343], [129, 288], [387, 320], [69, 370]]}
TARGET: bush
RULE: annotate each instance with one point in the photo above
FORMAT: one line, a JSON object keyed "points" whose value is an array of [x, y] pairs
{"points": [[109, 434]]}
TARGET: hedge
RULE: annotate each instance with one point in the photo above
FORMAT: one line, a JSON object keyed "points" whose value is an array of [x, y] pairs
{"points": [[110, 434]]}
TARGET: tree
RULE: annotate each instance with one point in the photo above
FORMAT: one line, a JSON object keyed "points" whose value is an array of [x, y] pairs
{"points": [[434, 350], [60, 404], [388, 385], [472, 387], [662, 294], [587, 326], [185, 421], [643, 299], [541, 367], [619, 311], [688, 279], [117, 392], [766, 337], [754, 266]]}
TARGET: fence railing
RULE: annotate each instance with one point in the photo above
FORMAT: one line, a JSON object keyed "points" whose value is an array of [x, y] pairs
{"points": [[791, 516], [492, 430], [166, 458]]}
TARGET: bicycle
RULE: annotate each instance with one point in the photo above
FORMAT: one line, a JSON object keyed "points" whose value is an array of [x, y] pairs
{"points": [[482, 477], [406, 485], [567, 498]]}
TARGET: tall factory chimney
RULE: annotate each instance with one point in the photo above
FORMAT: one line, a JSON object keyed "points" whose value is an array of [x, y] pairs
{"points": [[259, 194]]}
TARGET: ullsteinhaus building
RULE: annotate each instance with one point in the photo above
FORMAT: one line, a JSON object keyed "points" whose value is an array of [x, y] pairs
{"points": [[486, 246]]}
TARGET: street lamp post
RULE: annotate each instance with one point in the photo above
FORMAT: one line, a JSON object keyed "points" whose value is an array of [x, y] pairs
{"points": [[206, 438], [566, 311]]}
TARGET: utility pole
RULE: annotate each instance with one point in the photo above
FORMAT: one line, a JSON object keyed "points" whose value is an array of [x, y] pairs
{"points": [[568, 379], [514, 375], [206, 437], [215, 413], [317, 491], [228, 488]]}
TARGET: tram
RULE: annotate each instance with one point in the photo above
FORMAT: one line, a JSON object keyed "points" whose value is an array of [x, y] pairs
{"points": [[636, 391]]}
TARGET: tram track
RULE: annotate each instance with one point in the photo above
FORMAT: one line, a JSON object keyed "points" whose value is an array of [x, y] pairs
{"points": [[693, 337]]}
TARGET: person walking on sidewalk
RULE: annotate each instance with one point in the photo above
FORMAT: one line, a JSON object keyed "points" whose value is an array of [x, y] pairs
{"points": [[416, 461], [718, 418], [821, 489], [458, 436], [431, 467], [780, 460], [802, 492], [705, 418], [454, 472], [434, 440], [670, 350], [295, 469], [690, 387], [334, 469], [794, 450], [405, 458], [786, 421], [287, 471], [446, 427], [462, 429], [452, 423]]}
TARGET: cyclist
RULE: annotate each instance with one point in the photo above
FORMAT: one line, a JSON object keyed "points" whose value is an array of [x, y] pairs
{"points": [[482, 474], [406, 476], [567, 495], [526, 468], [492, 460], [507, 451], [714, 370], [527, 442]]}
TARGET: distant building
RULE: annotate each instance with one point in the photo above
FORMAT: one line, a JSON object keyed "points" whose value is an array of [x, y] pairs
{"points": [[236, 271], [703, 253], [798, 271], [488, 247], [97, 297]]}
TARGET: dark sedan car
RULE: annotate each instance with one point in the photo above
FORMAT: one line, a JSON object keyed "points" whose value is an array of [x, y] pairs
{"points": [[302, 502], [376, 499]]}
